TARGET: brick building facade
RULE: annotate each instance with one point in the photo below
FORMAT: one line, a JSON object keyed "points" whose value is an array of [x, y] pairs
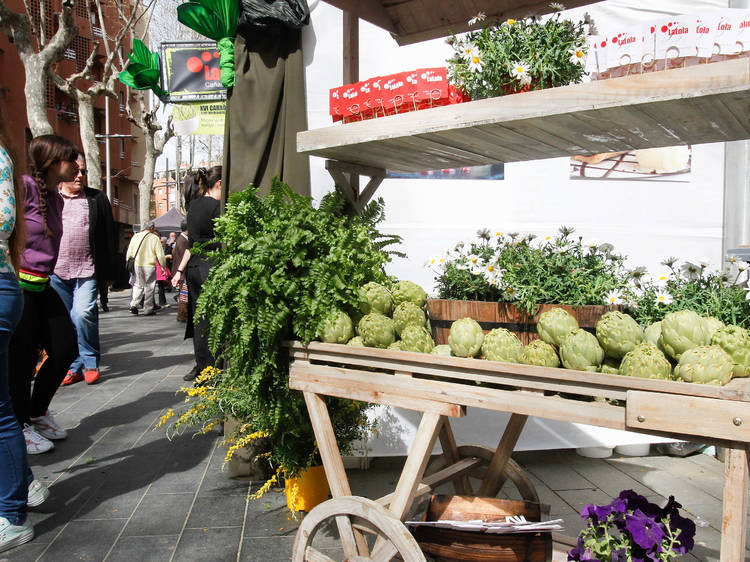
{"points": [[126, 154]]}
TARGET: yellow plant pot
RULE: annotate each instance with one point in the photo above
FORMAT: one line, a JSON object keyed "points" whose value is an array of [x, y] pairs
{"points": [[308, 490]]}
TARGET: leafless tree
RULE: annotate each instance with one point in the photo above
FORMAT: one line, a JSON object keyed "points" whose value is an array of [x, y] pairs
{"points": [[156, 137], [38, 50]]}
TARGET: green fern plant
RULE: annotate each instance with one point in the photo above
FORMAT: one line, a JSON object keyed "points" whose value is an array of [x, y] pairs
{"points": [[283, 266]]}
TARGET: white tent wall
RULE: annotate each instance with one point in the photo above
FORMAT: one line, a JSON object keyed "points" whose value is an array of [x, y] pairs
{"points": [[648, 221]]}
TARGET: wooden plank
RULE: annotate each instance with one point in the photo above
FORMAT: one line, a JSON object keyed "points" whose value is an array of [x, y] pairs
{"points": [[334, 466], [503, 452], [734, 512], [450, 454], [521, 375], [690, 415], [382, 388], [429, 483], [359, 386], [416, 462], [665, 101]]}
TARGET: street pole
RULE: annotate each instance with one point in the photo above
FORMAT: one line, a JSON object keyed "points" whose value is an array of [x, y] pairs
{"points": [[107, 163]]}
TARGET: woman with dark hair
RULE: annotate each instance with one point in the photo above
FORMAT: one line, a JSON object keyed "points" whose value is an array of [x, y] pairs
{"points": [[18, 489], [45, 321], [202, 196]]}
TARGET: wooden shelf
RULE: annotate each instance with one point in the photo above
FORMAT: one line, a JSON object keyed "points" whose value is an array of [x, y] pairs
{"points": [[699, 104]]}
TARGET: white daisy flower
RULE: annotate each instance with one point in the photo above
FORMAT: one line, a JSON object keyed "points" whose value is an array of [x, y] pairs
{"points": [[468, 51], [520, 71], [557, 7], [481, 16], [747, 293], [475, 64], [614, 297], [462, 266], [511, 293], [474, 259], [475, 270], [742, 265], [577, 55], [509, 22], [662, 280], [663, 298]]}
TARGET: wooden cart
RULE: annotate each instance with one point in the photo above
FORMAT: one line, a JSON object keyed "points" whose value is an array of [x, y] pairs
{"points": [[443, 387], [699, 104]]}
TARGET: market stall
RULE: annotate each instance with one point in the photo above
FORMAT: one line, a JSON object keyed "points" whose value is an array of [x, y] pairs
{"points": [[698, 104]]}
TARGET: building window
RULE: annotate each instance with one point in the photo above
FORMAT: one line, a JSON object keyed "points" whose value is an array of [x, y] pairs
{"points": [[122, 148], [82, 47]]}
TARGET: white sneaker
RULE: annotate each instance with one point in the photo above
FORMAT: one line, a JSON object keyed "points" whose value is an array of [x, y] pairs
{"points": [[38, 492], [35, 443], [14, 535], [47, 427]]}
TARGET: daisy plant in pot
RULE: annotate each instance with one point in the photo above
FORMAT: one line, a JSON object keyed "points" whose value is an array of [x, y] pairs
{"points": [[518, 55]]}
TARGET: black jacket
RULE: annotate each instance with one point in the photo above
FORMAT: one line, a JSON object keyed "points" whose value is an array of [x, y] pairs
{"points": [[102, 234]]}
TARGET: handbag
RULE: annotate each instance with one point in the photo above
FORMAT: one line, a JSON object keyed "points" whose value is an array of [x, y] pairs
{"points": [[130, 263]]}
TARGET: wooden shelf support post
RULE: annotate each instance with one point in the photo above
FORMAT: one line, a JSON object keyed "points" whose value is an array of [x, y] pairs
{"points": [[494, 479], [734, 517], [343, 175]]}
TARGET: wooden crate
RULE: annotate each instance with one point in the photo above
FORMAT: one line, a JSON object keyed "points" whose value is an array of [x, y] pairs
{"points": [[490, 315], [449, 544]]}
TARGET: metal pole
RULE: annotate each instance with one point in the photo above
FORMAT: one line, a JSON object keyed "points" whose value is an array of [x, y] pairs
{"points": [[106, 148]]}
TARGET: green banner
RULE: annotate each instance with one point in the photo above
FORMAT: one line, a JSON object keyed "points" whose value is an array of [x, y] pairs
{"points": [[199, 118]]}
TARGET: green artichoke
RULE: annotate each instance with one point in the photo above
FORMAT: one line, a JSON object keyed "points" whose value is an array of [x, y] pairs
{"points": [[405, 314], [337, 328], [712, 324], [444, 350], [581, 350], [376, 330], [681, 331], [707, 364], [465, 338], [408, 291], [618, 333], [373, 297], [735, 340], [652, 333], [610, 366], [356, 341], [555, 324], [646, 361], [396, 345], [416, 338], [539, 352], [502, 345]]}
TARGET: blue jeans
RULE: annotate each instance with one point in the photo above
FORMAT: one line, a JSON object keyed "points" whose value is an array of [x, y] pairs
{"points": [[79, 297], [15, 474]]}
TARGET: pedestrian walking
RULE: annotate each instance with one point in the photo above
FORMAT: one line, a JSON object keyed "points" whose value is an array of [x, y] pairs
{"points": [[85, 261], [145, 248], [45, 322], [18, 489], [163, 274], [202, 196], [180, 245]]}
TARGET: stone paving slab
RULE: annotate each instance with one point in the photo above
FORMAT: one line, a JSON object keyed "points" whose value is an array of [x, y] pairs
{"points": [[122, 491]]}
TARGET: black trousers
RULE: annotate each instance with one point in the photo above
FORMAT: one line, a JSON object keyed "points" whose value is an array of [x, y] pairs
{"points": [[196, 275], [103, 289], [45, 323]]}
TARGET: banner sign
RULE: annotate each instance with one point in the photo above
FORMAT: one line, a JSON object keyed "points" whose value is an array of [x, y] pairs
{"points": [[191, 71], [199, 118]]}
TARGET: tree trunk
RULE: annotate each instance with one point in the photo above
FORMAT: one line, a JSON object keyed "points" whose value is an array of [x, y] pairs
{"points": [[147, 181], [210, 149], [191, 166], [88, 139], [35, 90]]}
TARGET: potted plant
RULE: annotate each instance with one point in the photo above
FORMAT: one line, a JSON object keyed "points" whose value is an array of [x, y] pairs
{"points": [[283, 267], [722, 294], [508, 280], [631, 528], [518, 55]]}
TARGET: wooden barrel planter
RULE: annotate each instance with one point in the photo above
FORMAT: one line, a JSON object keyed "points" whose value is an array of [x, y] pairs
{"points": [[490, 315]]}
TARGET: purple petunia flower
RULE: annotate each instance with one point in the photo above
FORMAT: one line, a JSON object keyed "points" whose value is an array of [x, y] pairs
{"points": [[635, 501], [687, 532], [645, 531]]}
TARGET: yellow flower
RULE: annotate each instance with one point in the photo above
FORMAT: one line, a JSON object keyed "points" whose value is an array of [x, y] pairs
{"points": [[510, 22], [267, 486], [167, 415]]}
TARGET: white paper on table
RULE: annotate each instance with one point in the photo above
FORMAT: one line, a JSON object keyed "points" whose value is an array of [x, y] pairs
{"points": [[493, 527]]}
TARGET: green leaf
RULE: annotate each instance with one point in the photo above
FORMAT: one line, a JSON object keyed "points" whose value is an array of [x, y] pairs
{"points": [[205, 20]]}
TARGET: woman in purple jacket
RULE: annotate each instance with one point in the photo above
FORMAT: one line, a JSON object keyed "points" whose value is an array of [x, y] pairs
{"points": [[45, 321]]}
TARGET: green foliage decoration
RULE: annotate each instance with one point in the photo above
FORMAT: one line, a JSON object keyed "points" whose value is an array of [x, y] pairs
{"points": [[282, 268], [144, 70]]}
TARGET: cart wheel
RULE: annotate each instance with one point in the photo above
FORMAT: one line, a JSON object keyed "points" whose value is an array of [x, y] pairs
{"points": [[512, 472], [319, 537]]}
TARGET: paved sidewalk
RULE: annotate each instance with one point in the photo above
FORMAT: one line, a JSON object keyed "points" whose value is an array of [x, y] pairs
{"points": [[121, 491]]}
